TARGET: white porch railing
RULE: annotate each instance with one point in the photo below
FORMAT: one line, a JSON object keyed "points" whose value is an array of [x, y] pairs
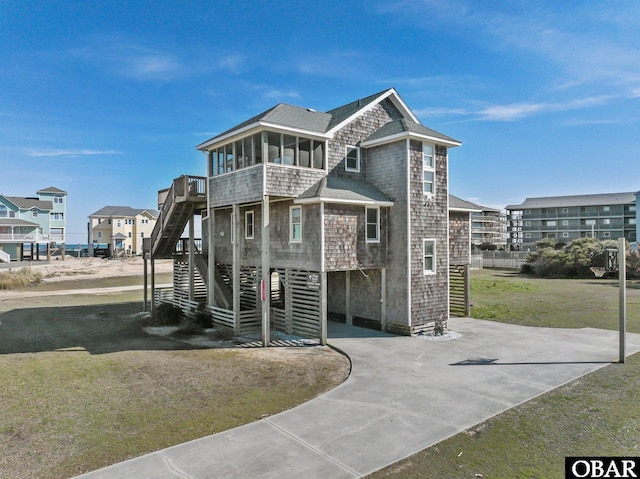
{"points": [[33, 237], [5, 257]]}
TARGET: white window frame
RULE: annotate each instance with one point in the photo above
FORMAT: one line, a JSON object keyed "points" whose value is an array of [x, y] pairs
{"points": [[249, 224], [565, 235], [432, 270], [565, 222], [429, 167], [348, 149], [292, 237], [377, 224], [34, 213]]}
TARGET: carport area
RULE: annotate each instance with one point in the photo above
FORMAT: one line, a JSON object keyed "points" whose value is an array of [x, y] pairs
{"points": [[404, 394]]}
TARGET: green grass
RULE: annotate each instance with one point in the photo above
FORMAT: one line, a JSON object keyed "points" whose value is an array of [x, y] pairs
{"points": [[563, 303], [596, 415], [82, 386]]}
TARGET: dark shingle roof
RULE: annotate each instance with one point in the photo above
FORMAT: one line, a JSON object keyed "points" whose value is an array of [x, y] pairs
{"points": [[456, 203], [51, 189], [122, 211], [338, 189], [16, 222], [28, 203], [343, 112], [576, 200], [404, 125]]}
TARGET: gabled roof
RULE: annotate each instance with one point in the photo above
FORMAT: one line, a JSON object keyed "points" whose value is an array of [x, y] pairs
{"points": [[16, 222], [336, 189], [404, 127], [575, 200], [299, 119], [30, 203], [51, 189], [119, 236], [123, 211], [458, 204]]}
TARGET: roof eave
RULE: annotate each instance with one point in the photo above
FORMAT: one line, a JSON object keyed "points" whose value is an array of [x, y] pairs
{"points": [[397, 101], [256, 127], [321, 199], [412, 135]]}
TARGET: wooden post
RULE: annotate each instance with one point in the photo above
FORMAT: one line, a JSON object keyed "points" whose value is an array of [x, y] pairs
{"points": [[323, 308], [145, 302], [211, 259], [467, 289], [153, 284], [235, 248], [266, 275], [622, 287], [383, 298], [192, 259], [349, 317]]}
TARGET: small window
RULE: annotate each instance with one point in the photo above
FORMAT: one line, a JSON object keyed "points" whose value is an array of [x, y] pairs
{"points": [[565, 235], [565, 222], [99, 234], [352, 159], [4, 211], [57, 199], [248, 225], [129, 234], [606, 234], [606, 221], [527, 235], [429, 256], [429, 172], [34, 213], [606, 208], [373, 225], [295, 224], [527, 223], [565, 210], [119, 224]]}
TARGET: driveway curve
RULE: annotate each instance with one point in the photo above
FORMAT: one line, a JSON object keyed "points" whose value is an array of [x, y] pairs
{"points": [[403, 395]]}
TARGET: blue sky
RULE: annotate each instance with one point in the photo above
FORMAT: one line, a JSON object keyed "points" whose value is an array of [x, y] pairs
{"points": [[107, 99]]}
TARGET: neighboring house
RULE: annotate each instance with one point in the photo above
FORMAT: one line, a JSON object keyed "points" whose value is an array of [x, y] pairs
{"points": [[31, 221], [121, 228], [460, 227], [489, 229], [566, 218], [313, 214]]}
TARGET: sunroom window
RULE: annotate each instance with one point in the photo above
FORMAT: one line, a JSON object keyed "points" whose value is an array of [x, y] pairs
{"points": [[278, 148]]}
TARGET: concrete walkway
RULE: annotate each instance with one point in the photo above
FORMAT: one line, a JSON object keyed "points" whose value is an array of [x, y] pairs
{"points": [[404, 395]]}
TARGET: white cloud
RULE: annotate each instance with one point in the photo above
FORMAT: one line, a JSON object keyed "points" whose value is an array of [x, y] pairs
{"points": [[129, 59], [37, 153]]}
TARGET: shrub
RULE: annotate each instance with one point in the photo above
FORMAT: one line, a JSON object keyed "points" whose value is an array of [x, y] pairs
{"points": [[167, 315], [575, 259], [203, 317], [19, 279]]}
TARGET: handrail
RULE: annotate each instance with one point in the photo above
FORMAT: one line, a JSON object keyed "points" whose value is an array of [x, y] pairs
{"points": [[5, 257], [195, 186]]}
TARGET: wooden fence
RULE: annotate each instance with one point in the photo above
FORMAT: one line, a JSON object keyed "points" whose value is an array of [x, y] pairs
{"points": [[459, 290]]}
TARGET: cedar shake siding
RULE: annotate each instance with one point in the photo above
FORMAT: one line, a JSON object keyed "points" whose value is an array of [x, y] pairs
{"points": [[363, 267]]}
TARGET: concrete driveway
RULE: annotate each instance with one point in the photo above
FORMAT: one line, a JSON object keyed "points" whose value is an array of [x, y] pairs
{"points": [[403, 395]]}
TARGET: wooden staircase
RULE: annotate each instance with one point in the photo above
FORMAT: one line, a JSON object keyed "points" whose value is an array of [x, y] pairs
{"points": [[178, 204]]}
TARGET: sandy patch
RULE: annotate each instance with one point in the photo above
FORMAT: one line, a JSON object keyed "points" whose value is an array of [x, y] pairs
{"points": [[88, 268]]}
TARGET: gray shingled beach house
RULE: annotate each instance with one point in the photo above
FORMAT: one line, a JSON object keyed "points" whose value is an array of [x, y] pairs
{"points": [[310, 215]]}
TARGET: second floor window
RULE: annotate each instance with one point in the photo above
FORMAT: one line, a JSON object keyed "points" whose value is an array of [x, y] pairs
{"points": [[373, 225], [428, 167], [352, 159], [295, 224]]}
